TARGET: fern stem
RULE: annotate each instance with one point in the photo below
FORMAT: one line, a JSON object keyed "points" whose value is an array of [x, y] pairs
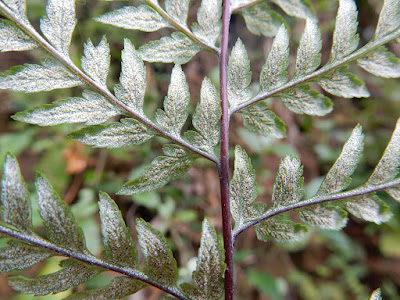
{"points": [[184, 29], [27, 28], [322, 71], [363, 190], [87, 258], [224, 159]]}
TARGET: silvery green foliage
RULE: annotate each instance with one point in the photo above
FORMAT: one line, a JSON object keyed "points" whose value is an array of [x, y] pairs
{"points": [[280, 230], [14, 39], [18, 7], [376, 295], [31, 78], [96, 60], [209, 21], [178, 9], [381, 63], [389, 18]]}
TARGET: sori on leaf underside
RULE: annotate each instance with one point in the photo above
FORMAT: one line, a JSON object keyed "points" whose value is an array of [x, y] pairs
{"points": [[98, 105]]}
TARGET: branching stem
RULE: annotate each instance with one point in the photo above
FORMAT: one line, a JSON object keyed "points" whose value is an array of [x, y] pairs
{"points": [[224, 159]]}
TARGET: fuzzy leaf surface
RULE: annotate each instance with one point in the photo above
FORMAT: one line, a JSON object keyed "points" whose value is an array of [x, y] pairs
{"points": [[209, 274], [308, 53], [261, 20], [16, 205], [126, 133], [143, 18], [72, 273], [119, 245], [178, 9], [345, 37], [119, 287], [174, 165], [36, 78], [18, 7], [91, 108], [324, 216], [96, 60], [160, 264], [288, 187], [209, 25], [174, 115], [274, 71], [280, 230], [381, 63], [59, 24], [296, 8], [57, 217], [369, 208], [132, 79], [14, 39], [257, 118], [239, 75], [178, 49], [376, 295], [389, 18], [303, 100], [343, 84], [19, 256]]}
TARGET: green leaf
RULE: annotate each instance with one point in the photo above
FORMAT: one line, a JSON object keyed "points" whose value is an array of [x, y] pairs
{"points": [[369, 208], [239, 75], [376, 295], [257, 118], [18, 7], [59, 24], [178, 49], [119, 288], [338, 177], [209, 274], [120, 248], [243, 189], [308, 53], [14, 39], [174, 165], [261, 20], [302, 100], [209, 25], [324, 216], [72, 273], [345, 37], [343, 84], [132, 79], [389, 18], [126, 133], [160, 264], [296, 8], [280, 231], [288, 187], [381, 63], [207, 116], [96, 60], [175, 113], [143, 18], [36, 78], [178, 10], [19, 256], [274, 71], [16, 205], [92, 108], [57, 217]]}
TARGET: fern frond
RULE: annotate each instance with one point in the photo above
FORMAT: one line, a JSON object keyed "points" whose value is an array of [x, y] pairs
{"points": [[14, 39]]}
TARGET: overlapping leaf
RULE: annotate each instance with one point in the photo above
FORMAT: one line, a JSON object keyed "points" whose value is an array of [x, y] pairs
{"points": [[91, 108], [178, 49], [381, 63], [209, 25], [257, 118], [174, 115], [160, 264], [389, 18], [57, 217], [296, 8], [369, 208], [16, 205], [143, 18], [127, 132], [280, 230], [96, 60], [36, 78], [208, 278], [178, 9], [119, 245], [173, 165], [14, 39], [59, 24], [324, 216], [72, 273]]}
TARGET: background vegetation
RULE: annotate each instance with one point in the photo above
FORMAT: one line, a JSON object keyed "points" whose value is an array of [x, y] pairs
{"points": [[348, 264]]}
